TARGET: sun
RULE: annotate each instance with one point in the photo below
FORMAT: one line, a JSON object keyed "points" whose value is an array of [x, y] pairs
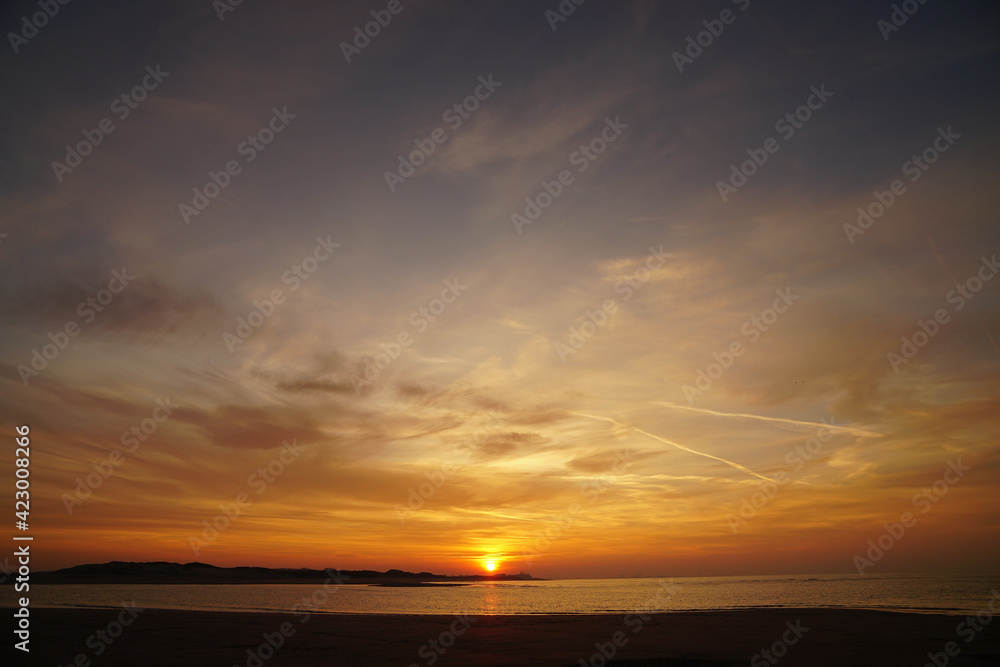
{"points": [[490, 565]]}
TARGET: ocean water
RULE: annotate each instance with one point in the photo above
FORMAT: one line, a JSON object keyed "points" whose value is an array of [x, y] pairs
{"points": [[911, 593]]}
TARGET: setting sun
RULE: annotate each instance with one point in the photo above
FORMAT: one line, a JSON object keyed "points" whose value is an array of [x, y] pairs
{"points": [[490, 565]]}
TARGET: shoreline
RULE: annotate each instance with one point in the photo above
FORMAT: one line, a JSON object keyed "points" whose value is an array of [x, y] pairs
{"points": [[954, 613], [816, 636]]}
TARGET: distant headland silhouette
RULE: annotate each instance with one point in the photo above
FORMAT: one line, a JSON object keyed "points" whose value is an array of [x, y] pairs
{"points": [[160, 572]]}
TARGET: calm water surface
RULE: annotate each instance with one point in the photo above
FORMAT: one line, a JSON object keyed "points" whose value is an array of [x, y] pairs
{"points": [[915, 593]]}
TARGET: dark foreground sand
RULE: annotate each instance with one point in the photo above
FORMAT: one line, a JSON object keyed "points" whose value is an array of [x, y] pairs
{"points": [[699, 639]]}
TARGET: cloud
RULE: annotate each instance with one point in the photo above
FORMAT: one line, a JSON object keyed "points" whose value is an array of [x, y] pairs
{"points": [[145, 309]]}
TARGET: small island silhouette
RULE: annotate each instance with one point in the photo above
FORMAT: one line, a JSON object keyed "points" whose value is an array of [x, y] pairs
{"points": [[159, 572]]}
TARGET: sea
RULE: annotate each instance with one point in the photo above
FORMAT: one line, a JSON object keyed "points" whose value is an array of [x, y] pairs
{"points": [[914, 593]]}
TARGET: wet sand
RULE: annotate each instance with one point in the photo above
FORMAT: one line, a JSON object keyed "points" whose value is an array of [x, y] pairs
{"points": [[689, 639]]}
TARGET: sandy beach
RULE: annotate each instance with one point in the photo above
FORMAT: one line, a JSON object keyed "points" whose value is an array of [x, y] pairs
{"points": [[691, 639]]}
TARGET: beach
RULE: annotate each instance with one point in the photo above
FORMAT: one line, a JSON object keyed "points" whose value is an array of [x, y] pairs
{"points": [[690, 639]]}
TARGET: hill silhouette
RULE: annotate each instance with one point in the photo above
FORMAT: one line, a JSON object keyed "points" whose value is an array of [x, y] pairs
{"points": [[160, 572]]}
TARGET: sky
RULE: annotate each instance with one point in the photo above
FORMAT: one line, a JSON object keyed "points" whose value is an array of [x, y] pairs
{"points": [[596, 290]]}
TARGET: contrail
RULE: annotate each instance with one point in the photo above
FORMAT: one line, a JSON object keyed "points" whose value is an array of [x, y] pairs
{"points": [[674, 444], [500, 514], [782, 420]]}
